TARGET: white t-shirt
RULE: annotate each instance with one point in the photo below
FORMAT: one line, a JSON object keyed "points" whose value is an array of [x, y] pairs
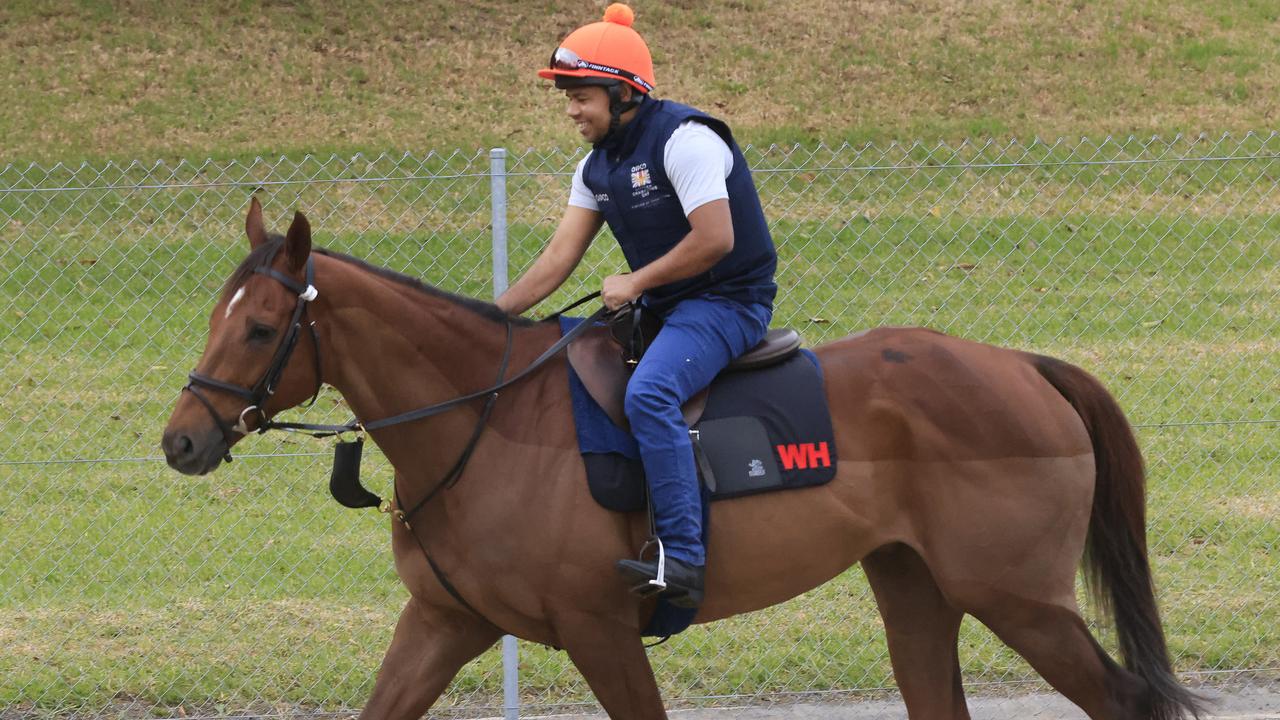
{"points": [[697, 161]]}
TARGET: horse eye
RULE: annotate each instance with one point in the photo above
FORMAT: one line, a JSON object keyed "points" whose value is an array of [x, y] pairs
{"points": [[260, 333]]}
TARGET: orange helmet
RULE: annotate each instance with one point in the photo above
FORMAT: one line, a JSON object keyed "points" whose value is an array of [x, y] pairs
{"points": [[603, 53]]}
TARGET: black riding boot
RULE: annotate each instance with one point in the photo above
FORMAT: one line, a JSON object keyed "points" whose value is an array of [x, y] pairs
{"points": [[683, 581]]}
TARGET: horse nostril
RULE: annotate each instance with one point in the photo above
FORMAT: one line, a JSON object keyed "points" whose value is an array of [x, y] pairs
{"points": [[176, 447]]}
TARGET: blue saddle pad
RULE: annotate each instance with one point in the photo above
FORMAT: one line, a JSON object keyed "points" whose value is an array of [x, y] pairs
{"points": [[763, 430]]}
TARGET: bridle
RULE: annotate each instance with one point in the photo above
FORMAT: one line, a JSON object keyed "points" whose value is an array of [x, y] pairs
{"points": [[265, 387]]}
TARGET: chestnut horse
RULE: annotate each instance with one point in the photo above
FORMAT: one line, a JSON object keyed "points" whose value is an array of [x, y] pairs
{"points": [[971, 479]]}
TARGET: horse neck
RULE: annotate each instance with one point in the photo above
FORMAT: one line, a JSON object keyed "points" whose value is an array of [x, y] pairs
{"points": [[390, 348]]}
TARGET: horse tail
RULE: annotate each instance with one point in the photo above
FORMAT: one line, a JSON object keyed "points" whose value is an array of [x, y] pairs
{"points": [[1115, 561]]}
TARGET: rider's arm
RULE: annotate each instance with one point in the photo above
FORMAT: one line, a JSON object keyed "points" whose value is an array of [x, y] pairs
{"points": [[569, 243], [710, 239], [697, 162]]}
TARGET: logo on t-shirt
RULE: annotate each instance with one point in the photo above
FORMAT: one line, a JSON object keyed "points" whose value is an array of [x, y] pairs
{"points": [[640, 175]]}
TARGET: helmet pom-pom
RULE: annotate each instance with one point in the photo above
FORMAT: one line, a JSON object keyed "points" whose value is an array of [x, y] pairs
{"points": [[620, 14]]}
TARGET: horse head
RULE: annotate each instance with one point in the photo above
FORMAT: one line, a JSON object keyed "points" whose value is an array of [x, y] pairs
{"points": [[249, 369]]}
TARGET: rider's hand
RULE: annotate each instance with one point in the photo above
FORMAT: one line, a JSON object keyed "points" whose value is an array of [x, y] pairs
{"points": [[618, 290]]}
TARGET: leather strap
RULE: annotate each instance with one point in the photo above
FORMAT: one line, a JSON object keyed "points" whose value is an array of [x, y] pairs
{"points": [[428, 411]]}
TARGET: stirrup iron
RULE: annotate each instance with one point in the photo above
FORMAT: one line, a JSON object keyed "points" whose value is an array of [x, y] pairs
{"points": [[658, 584]]}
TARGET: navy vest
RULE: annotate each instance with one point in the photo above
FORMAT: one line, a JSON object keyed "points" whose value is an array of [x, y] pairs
{"points": [[629, 180]]}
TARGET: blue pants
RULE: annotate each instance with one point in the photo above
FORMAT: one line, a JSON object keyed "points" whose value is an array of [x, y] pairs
{"points": [[698, 339]]}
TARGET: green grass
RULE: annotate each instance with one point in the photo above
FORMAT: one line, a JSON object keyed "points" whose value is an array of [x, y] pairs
{"points": [[250, 590]]}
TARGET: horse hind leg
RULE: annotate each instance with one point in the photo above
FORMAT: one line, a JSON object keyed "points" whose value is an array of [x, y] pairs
{"points": [[1058, 645], [922, 629]]}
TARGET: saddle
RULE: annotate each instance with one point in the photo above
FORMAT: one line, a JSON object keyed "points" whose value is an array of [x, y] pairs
{"points": [[752, 432], [595, 358]]}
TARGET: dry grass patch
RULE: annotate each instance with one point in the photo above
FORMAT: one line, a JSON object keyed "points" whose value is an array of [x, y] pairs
{"points": [[1264, 507], [144, 78]]}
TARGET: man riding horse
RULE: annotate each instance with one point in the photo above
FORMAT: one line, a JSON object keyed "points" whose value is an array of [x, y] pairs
{"points": [[969, 481], [677, 194]]}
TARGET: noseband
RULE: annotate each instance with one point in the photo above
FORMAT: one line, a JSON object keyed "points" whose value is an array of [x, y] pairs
{"points": [[266, 387]]}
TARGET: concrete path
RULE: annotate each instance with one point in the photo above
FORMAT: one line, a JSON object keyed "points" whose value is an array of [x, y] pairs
{"points": [[1249, 702]]}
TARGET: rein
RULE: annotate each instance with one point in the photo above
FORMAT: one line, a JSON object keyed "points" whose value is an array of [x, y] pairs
{"points": [[440, 407], [266, 387]]}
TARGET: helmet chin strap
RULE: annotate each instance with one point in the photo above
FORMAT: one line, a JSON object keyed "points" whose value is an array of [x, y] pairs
{"points": [[616, 108]]}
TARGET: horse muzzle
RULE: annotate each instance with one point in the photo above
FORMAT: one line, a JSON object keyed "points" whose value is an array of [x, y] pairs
{"points": [[194, 452]]}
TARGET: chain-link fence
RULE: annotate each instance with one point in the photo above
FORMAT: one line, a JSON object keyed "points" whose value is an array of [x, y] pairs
{"points": [[125, 587]]}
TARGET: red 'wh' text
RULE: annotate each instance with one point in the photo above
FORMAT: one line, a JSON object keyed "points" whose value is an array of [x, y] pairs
{"points": [[803, 456]]}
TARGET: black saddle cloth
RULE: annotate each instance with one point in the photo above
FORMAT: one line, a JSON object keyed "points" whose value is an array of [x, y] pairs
{"points": [[763, 430]]}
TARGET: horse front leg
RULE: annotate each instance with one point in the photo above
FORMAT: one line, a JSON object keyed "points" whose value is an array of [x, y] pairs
{"points": [[610, 655], [429, 647]]}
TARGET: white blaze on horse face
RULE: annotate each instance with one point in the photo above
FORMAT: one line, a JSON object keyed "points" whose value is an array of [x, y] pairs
{"points": [[234, 299]]}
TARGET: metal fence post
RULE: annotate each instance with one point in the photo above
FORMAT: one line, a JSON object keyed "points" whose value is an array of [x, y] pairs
{"points": [[498, 201], [498, 193]]}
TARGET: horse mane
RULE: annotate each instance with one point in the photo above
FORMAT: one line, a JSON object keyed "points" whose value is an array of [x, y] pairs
{"points": [[259, 255], [484, 309]]}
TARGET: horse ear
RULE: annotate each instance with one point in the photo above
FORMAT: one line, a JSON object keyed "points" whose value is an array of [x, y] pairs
{"points": [[297, 243], [253, 225]]}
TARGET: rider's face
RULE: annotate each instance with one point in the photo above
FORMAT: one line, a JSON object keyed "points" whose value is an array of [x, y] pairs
{"points": [[589, 110]]}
